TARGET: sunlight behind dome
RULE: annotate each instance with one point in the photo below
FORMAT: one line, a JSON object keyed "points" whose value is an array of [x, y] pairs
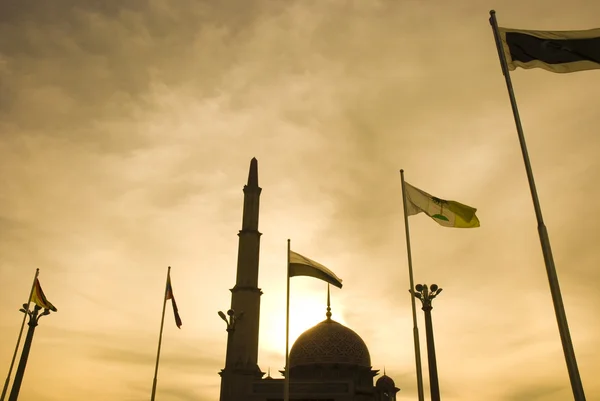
{"points": [[330, 342], [308, 306]]}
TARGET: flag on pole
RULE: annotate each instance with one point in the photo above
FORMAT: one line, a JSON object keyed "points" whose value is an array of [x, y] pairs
{"points": [[447, 213], [169, 295], [570, 51], [38, 297], [555, 51], [302, 266], [299, 265]]}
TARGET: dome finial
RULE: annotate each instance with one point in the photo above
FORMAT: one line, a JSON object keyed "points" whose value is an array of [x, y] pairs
{"points": [[384, 370], [328, 314]]}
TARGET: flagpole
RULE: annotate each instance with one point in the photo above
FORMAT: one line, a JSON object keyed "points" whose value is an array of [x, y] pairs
{"points": [[286, 384], [412, 298], [559, 308], [40, 302], [328, 314], [12, 362], [162, 323]]}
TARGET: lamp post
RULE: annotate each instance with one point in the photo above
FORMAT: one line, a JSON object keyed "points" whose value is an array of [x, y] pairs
{"points": [[231, 323], [34, 317], [426, 295]]}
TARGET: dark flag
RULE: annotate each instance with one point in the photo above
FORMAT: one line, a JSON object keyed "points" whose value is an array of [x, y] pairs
{"points": [[555, 51], [169, 295], [563, 52]]}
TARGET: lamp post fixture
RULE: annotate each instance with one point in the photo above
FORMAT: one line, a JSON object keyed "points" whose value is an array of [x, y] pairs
{"points": [[426, 295], [233, 318], [34, 318], [231, 322]]}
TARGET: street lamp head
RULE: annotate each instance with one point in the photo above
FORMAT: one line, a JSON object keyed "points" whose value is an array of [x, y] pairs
{"points": [[419, 287], [434, 287], [222, 315], [230, 312], [25, 306], [46, 312]]}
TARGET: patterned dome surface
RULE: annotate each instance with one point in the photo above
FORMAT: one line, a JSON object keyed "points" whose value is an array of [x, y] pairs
{"points": [[329, 342]]}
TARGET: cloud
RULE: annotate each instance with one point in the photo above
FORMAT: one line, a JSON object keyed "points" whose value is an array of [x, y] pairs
{"points": [[181, 360], [539, 391], [127, 129]]}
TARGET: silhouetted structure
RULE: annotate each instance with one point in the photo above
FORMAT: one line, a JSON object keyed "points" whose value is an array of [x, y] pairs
{"points": [[328, 362], [426, 296], [34, 318]]}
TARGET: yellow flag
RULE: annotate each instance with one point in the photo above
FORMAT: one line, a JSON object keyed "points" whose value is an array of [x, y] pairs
{"points": [[445, 212], [38, 297]]}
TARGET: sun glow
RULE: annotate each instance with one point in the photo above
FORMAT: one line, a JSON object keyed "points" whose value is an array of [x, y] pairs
{"points": [[307, 308]]}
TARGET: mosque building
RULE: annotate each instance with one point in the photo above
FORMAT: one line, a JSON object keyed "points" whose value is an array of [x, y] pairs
{"points": [[328, 362]]}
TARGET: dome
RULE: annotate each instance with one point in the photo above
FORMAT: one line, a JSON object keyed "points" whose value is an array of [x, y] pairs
{"points": [[329, 342], [385, 382]]}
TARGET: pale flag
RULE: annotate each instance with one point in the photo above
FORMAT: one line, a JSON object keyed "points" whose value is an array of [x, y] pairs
{"points": [[445, 212], [303, 266]]}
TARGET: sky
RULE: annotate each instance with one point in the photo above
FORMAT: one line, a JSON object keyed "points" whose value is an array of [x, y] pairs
{"points": [[126, 133]]}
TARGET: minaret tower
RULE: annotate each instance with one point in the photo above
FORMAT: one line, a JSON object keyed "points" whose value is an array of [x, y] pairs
{"points": [[241, 366]]}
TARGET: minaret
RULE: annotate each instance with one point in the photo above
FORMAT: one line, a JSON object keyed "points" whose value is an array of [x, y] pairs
{"points": [[241, 366]]}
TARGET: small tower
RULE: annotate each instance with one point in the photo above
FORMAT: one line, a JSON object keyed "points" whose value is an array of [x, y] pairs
{"points": [[241, 367], [385, 388]]}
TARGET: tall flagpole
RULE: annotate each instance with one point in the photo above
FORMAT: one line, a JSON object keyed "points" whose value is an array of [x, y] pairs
{"points": [[12, 363], [559, 308], [162, 323], [412, 298], [286, 384]]}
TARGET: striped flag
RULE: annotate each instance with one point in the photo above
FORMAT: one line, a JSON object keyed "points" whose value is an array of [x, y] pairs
{"points": [[554, 51], [38, 297], [169, 295], [303, 266]]}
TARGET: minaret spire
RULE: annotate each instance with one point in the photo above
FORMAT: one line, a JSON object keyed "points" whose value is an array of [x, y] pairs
{"points": [[253, 173], [241, 365]]}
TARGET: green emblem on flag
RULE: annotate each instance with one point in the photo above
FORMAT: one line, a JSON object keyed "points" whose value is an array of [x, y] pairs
{"points": [[440, 203]]}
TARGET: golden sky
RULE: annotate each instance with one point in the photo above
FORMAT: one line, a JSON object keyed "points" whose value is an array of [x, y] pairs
{"points": [[126, 133]]}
